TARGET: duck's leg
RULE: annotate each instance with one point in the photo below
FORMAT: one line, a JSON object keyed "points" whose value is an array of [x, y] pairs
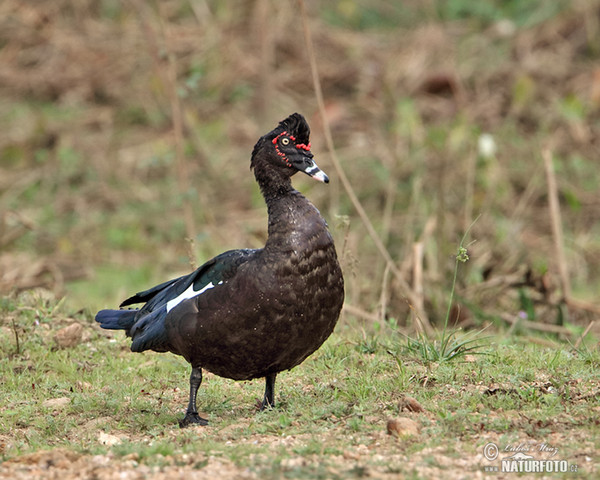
{"points": [[269, 401], [191, 415]]}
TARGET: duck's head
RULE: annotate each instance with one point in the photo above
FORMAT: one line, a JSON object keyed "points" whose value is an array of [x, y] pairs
{"points": [[287, 149]]}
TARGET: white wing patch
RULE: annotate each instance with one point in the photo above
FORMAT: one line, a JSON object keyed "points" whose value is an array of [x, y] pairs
{"points": [[189, 293]]}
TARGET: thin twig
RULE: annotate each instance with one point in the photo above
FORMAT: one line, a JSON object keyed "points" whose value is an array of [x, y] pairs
{"points": [[16, 332], [585, 332], [263, 20], [410, 297], [542, 327], [418, 279], [169, 78], [557, 231], [526, 197], [182, 167], [418, 254], [583, 305], [359, 312], [202, 12], [469, 189], [383, 299], [543, 342]]}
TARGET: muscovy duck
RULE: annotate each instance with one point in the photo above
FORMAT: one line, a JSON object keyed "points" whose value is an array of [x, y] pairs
{"points": [[250, 313]]}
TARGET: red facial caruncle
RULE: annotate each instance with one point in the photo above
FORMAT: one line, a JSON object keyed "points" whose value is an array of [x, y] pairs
{"points": [[303, 146], [279, 152], [285, 141]]}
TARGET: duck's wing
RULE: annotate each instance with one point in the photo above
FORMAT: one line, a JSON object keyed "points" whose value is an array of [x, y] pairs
{"points": [[147, 330], [147, 295], [171, 293]]}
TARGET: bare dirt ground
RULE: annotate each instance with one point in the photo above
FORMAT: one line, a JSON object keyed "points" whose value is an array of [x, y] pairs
{"points": [[69, 55], [378, 461]]}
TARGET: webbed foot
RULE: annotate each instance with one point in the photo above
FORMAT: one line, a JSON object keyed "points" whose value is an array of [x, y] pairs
{"points": [[192, 419]]}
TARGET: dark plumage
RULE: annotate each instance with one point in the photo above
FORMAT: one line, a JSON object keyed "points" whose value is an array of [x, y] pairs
{"points": [[250, 313]]}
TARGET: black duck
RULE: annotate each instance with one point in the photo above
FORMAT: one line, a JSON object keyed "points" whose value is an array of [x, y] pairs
{"points": [[254, 312]]}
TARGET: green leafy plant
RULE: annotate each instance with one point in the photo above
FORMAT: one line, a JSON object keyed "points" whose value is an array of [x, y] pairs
{"points": [[450, 345]]}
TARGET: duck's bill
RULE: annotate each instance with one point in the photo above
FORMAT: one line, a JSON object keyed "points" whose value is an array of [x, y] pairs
{"points": [[312, 170]]}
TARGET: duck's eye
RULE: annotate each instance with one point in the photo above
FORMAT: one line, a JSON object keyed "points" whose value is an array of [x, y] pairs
{"points": [[285, 141]]}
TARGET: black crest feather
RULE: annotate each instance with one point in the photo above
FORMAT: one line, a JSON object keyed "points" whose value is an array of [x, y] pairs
{"points": [[295, 125]]}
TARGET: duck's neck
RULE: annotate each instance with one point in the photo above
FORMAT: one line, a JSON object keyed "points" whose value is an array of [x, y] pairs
{"points": [[291, 219], [273, 185], [290, 213]]}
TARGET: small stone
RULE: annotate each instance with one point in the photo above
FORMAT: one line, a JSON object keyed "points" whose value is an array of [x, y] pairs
{"points": [[402, 427], [108, 439], [83, 386], [350, 455], [293, 463], [410, 404], [69, 337], [56, 402]]}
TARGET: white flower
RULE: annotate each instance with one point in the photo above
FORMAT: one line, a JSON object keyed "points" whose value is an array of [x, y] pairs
{"points": [[486, 145]]}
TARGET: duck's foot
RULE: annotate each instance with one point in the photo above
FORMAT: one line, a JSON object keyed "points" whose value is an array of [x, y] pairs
{"points": [[191, 414], [263, 405], [192, 419], [269, 398]]}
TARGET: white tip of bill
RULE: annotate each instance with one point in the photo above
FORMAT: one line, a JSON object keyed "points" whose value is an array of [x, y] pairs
{"points": [[320, 175], [316, 173]]}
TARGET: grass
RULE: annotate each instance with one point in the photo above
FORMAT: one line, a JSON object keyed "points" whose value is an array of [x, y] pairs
{"points": [[336, 404], [450, 345], [91, 210]]}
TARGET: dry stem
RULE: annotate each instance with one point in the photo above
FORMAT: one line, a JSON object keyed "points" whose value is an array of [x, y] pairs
{"points": [[169, 78], [557, 231], [410, 296]]}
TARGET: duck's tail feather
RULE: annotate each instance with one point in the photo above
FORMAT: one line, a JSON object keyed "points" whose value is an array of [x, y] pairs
{"points": [[116, 319]]}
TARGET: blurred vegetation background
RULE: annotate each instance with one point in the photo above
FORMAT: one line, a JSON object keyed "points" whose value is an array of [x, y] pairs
{"points": [[117, 117]]}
